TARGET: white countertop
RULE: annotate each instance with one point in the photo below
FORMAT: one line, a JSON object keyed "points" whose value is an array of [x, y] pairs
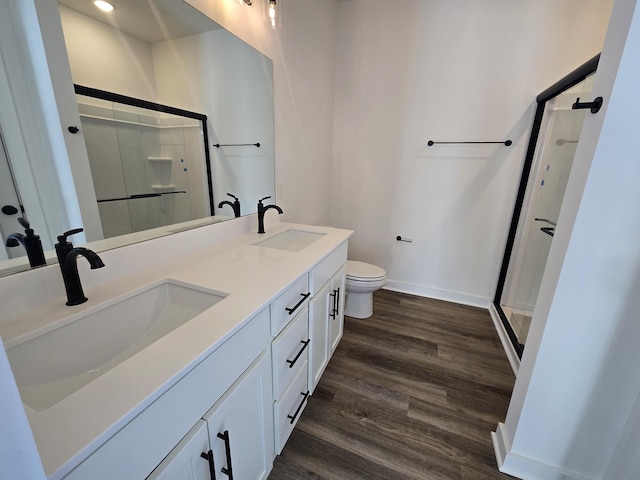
{"points": [[251, 275]]}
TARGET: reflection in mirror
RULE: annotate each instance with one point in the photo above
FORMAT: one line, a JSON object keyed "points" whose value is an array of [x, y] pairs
{"points": [[10, 209], [164, 52], [149, 163]]}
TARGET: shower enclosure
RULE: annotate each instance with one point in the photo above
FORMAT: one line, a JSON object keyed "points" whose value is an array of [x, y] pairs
{"points": [[554, 138], [149, 163]]}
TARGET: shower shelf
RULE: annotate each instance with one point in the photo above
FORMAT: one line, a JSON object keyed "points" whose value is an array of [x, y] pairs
{"points": [[163, 188]]}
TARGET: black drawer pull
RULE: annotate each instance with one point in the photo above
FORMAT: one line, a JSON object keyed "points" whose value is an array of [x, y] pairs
{"points": [[295, 415], [293, 362], [227, 447], [336, 302], [212, 468], [304, 297]]}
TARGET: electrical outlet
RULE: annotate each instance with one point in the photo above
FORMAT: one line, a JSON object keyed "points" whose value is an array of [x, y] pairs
{"points": [[279, 191]]}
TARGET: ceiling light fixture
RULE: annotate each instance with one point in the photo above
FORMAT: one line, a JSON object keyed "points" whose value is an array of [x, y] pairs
{"points": [[246, 2], [104, 6]]}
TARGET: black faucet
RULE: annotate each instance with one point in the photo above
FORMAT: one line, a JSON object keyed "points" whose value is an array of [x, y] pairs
{"points": [[68, 260], [235, 205], [261, 211], [31, 243]]}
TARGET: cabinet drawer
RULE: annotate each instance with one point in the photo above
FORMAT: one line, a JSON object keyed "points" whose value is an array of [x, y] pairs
{"points": [[290, 352], [289, 408], [287, 305], [157, 430], [322, 273]]}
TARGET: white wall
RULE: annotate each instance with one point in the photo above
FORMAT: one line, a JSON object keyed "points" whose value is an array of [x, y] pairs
{"points": [[57, 96], [216, 74], [410, 71], [105, 58], [575, 409], [32, 126]]}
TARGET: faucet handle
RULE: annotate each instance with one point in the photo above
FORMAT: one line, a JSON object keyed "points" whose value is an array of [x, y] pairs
{"points": [[63, 247], [265, 198], [232, 196], [63, 238], [24, 222]]}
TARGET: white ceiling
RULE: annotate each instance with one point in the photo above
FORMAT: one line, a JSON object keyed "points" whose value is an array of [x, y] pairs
{"points": [[149, 20]]}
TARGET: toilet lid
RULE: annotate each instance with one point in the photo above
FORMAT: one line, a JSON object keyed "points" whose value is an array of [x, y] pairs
{"points": [[364, 271]]}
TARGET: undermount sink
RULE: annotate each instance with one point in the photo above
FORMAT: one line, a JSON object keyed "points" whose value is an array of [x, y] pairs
{"points": [[50, 367], [291, 240]]}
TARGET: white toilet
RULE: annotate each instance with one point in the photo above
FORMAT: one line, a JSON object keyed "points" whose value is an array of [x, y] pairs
{"points": [[362, 280]]}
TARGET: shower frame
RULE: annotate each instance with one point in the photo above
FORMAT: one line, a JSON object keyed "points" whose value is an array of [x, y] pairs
{"points": [[565, 83], [157, 107]]}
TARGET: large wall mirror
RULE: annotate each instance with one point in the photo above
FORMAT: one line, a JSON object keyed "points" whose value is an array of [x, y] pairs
{"points": [[150, 171]]}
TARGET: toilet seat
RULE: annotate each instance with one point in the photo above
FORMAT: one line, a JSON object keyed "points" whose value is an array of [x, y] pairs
{"points": [[364, 272]]}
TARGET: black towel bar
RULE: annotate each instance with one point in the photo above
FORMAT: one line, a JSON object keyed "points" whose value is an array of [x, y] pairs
{"points": [[506, 143], [218, 145]]}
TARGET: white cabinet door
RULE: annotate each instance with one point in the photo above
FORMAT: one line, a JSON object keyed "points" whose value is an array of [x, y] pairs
{"points": [[319, 309], [240, 426], [336, 308], [189, 460]]}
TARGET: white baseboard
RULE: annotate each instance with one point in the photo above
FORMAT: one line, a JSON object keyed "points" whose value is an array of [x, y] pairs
{"points": [[501, 444], [512, 356], [446, 295], [525, 468]]}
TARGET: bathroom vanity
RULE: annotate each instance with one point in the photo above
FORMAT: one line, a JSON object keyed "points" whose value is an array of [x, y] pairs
{"points": [[214, 385]]}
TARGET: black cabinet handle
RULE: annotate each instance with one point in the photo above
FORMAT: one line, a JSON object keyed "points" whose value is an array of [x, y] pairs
{"points": [[304, 297], [212, 468], [295, 415], [336, 302], [227, 446], [293, 362], [333, 308]]}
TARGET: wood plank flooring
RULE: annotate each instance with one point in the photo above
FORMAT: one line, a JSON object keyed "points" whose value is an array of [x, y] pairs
{"points": [[410, 393]]}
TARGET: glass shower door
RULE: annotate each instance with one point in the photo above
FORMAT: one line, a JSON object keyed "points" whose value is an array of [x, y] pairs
{"points": [[555, 150], [148, 166]]}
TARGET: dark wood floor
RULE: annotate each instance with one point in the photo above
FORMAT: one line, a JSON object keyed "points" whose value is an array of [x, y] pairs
{"points": [[410, 393]]}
